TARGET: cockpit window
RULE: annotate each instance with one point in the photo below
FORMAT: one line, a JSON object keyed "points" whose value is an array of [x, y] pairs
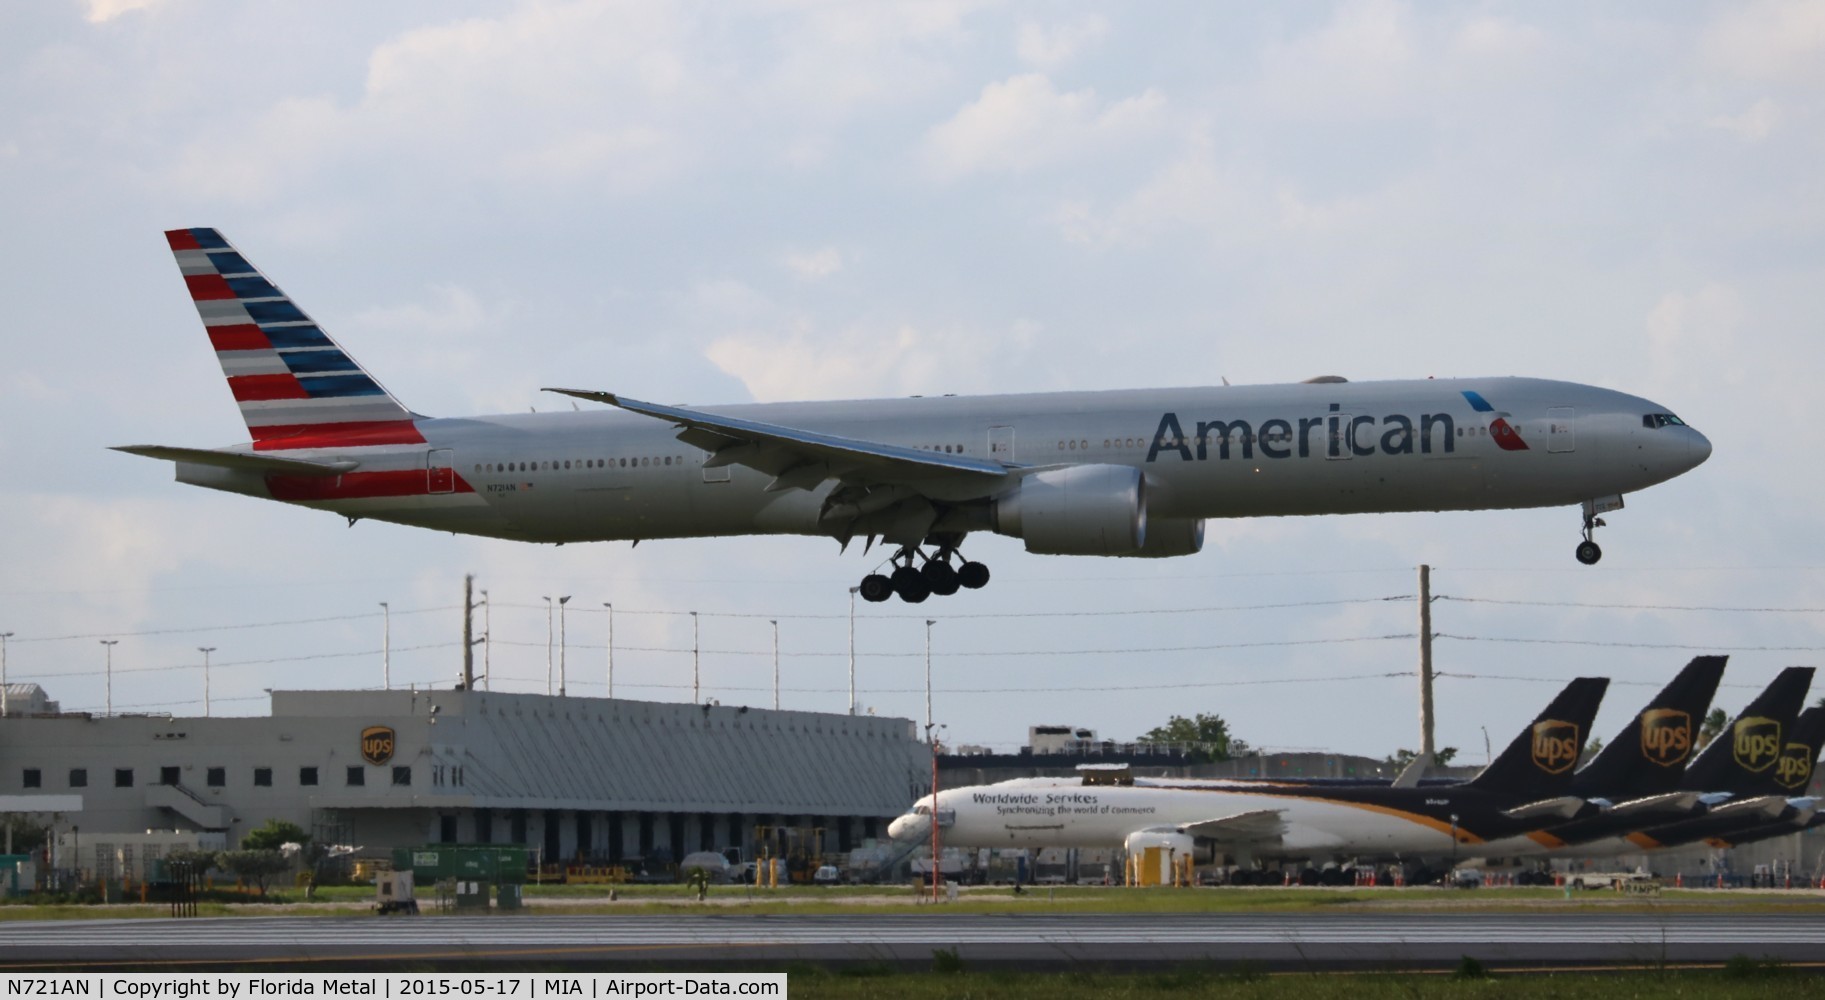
{"points": [[921, 810], [1656, 420]]}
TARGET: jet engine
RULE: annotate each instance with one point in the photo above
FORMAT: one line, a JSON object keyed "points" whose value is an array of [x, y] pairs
{"points": [[1083, 510], [1171, 536]]}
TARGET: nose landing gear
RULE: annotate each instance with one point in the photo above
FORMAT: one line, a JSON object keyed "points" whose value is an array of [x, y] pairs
{"points": [[915, 583], [1588, 551]]}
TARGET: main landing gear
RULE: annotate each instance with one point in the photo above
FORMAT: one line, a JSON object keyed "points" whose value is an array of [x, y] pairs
{"points": [[1588, 552], [916, 583]]}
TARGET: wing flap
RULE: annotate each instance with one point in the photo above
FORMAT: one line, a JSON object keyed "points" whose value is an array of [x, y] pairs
{"points": [[240, 461], [776, 449]]}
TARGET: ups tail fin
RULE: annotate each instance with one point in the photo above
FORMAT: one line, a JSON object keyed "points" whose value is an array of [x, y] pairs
{"points": [[1742, 758], [1801, 754], [1648, 757], [296, 387], [1538, 763]]}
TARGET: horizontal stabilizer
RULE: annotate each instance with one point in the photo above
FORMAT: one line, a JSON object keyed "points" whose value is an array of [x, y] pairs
{"points": [[1676, 803], [1416, 769], [240, 461], [1254, 826]]}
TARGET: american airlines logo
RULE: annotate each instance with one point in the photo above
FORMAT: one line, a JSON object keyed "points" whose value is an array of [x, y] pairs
{"points": [[1337, 434]]}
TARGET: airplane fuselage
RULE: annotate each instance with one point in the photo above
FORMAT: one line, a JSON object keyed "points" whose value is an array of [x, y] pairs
{"points": [[1323, 448]]}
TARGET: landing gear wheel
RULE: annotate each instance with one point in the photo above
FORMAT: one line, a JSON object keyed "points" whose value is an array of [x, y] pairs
{"points": [[973, 575], [940, 577], [910, 584], [876, 588], [1589, 553]]}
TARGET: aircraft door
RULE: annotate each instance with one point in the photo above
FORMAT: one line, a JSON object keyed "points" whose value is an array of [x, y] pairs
{"points": [[1562, 429], [1001, 443], [439, 476]]}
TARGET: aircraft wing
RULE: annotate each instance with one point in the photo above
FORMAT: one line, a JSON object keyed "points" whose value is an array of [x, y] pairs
{"points": [[798, 458], [1563, 807], [1254, 826], [240, 461]]}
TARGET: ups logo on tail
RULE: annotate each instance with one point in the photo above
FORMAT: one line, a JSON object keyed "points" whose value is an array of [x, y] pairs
{"points": [[1757, 743], [1795, 767], [1556, 746], [1666, 736]]}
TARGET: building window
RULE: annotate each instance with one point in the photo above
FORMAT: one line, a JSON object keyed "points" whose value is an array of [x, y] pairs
{"points": [[307, 776], [169, 775], [79, 777], [216, 777], [33, 778], [123, 777], [358, 775], [262, 777], [402, 775]]}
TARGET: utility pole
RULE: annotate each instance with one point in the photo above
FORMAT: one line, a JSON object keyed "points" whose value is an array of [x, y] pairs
{"points": [[928, 689], [563, 646], [386, 647], [205, 650], [696, 653], [468, 632], [1425, 662], [487, 642], [611, 648], [775, 625], [852, 591], [109, 644], [5, 709]]}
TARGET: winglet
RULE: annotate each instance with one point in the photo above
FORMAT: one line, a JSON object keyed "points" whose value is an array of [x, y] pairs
{"points": [[590, 394]]}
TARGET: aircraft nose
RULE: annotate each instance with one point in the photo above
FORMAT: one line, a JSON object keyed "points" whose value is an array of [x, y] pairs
{"points": [[1699, 448], [905, 827]]}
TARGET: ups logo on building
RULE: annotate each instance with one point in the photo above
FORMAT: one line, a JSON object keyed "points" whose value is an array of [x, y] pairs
{"points": [[1794, 768], [1666, 736], [1555, 746], [377, 744], [1757, 743]]}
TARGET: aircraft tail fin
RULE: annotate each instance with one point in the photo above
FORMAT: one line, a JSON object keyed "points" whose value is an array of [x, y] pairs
{"points": [[1801, 754], [1648, 757], [1742, 759], [295, 386], [1538, 763]]}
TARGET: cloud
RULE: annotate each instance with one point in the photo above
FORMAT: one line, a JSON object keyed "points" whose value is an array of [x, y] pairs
{"points": [[1754, 124], [1360, 61], [103, 11], [1024, 123], [860, 361], [1047, 46], [1769, 40], [814, 264]]}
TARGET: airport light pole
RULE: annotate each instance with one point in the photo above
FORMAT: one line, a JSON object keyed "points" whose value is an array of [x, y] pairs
{"points": [[852, 592], [928, 692], [775, 625], [5, 708], [205, 650], [937, 849], [563, 646], [386, 647], [696, 658], [549, 637], [611, 648], [109, 644]]}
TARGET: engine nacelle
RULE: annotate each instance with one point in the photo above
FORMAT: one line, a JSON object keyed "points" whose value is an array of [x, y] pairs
{"points": [[1084, 510], [1171, 536]]}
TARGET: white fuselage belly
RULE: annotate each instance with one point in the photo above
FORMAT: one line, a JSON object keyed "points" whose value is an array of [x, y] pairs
{"points": [[1293, 449]]}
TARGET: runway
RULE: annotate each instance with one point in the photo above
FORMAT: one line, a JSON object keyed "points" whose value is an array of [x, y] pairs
{"points": [[1034, 941]]}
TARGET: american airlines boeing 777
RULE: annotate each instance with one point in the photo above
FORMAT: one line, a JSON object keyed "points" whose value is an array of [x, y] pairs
{"points": [[1130, 472]]}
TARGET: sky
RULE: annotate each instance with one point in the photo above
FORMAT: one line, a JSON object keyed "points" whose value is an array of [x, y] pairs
{"points": [[795, 199]]}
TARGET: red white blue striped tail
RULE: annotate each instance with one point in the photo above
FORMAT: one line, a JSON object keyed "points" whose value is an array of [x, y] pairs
{"points": [[295, 386]]}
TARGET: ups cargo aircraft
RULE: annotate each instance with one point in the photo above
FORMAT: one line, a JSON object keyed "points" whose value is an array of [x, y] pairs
{"points": [[1111, 473], [1735, 775], [1520, 789], [1754, 817]]}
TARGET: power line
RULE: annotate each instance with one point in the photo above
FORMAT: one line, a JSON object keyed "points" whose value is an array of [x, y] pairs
{"points": [[247, 663], [230, 628], [1629, 645], [1629, 607], [771, 616], [971, 653]]}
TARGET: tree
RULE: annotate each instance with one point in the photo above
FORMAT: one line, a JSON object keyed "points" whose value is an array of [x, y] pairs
{"points": [[274, 835], [1714, 723], [1402, 757], [1591, 749], [1207, 735], [255, 867]]}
